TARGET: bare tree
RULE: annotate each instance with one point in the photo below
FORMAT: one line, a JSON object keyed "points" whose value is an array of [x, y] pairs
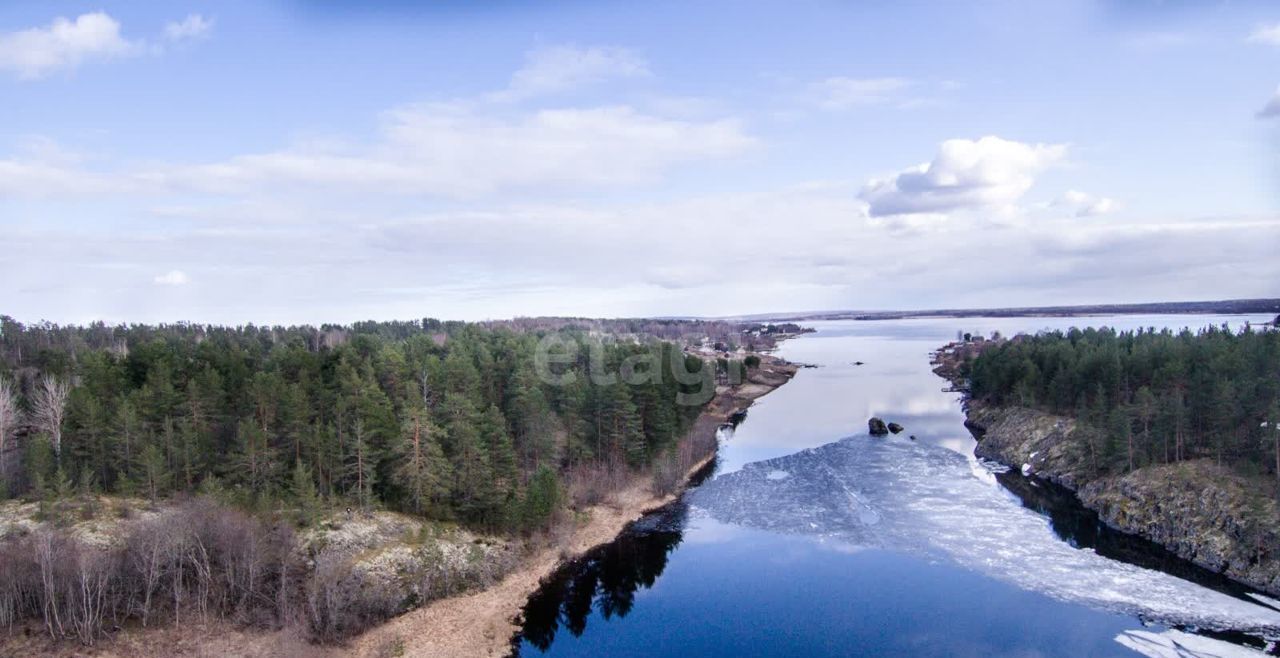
{"points": [[88, 597], [48, 552], [51, 407], [9, 419]]}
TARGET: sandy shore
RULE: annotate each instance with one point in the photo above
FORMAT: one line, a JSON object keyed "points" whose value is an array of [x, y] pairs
{"points": [[482, 623]]}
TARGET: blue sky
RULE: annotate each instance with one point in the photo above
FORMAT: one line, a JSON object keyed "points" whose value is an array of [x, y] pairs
{"points": [[306, 161]]}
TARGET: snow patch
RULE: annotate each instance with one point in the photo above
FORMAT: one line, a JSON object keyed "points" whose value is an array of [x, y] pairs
{"points": [[777, 475], [993, 466]]}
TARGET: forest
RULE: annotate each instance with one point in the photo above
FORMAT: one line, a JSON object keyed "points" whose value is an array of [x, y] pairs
{"points": [[252, 433], [446, 420], [1147, 397]]}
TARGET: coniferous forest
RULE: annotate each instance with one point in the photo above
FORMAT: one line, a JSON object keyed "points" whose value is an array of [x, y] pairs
{"points": [[237, 438], [447, 420], [1148, 397]]}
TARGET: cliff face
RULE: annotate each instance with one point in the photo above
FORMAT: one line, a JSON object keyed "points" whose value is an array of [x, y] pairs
{"points": [[1201, 512], [1018, 436]]}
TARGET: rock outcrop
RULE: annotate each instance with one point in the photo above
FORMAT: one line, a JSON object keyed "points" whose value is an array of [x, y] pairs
{"points": [[877, 427], [1201, 512]]}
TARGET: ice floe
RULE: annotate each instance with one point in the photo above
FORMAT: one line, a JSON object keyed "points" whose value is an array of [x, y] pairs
{"points": [[1177, 644]]}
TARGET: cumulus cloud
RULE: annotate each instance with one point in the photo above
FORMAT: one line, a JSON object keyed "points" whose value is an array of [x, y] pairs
{"points": [[988, 173], [63, 44], [554, 69], [841, 93], [1272, 109], [1268, 34], [1084, 204], [172, 278], [194, 26]]}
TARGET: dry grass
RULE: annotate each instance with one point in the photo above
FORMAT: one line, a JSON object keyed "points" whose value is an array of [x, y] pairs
{"points": [[482, 623]]}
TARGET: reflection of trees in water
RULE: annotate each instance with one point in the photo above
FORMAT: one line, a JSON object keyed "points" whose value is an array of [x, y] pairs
{"points": [[605, 579], [1081, 527]]}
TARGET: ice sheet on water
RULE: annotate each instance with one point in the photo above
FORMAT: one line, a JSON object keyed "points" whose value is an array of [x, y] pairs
{"points": [[1265, 600], [909, 496], [1177, 644]]}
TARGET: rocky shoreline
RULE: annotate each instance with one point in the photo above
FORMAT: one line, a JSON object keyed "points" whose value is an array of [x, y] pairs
{"points": [[1199, 511]]}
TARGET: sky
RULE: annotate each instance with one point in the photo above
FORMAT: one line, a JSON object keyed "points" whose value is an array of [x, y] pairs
{"points": [[309, 161]]}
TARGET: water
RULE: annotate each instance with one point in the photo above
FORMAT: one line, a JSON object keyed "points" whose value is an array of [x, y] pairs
{"points": [[813, 539]]}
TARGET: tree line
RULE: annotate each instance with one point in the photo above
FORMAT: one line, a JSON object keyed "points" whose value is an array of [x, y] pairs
{"points": [[1146, 397], [446, 420]]}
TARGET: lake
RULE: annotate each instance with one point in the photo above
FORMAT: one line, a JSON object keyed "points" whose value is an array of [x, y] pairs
{"points": [[810, 538]]}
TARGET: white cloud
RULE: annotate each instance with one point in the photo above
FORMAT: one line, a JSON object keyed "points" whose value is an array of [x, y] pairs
{"points": [[194, 26], [43, 168], [1272, 109], [64, 44], [458, 150], [172, 278], [1084, 204], [1268, 34], [461, 149], [558, 68], [840, 93], [603, 258], [988, 173]]}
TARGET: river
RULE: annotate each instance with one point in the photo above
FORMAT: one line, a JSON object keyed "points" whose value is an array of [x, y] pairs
{"points": [[810, 538]]}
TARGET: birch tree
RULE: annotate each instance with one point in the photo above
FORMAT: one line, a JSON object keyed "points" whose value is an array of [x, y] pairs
{"points": [[51, 408], [8, 421]]}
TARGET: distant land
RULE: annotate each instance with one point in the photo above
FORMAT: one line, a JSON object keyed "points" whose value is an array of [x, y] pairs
{"points": [[1227, 306]]}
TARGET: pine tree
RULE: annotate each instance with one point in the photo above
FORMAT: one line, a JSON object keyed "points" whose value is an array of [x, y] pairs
{"points": [[502, 454], [255, 459], [474, 494], [532, 419], [1144, 404], [542, 498], [362, 471], [155, 474], [128, 433], [305, 495], [623, 431], [422, 470]]}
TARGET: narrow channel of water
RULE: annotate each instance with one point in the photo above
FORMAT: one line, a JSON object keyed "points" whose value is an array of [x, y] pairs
{"points": [[813, 539]]}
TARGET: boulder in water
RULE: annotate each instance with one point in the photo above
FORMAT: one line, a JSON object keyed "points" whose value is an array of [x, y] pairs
{"points": [[896, 428], [877, 427]]}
